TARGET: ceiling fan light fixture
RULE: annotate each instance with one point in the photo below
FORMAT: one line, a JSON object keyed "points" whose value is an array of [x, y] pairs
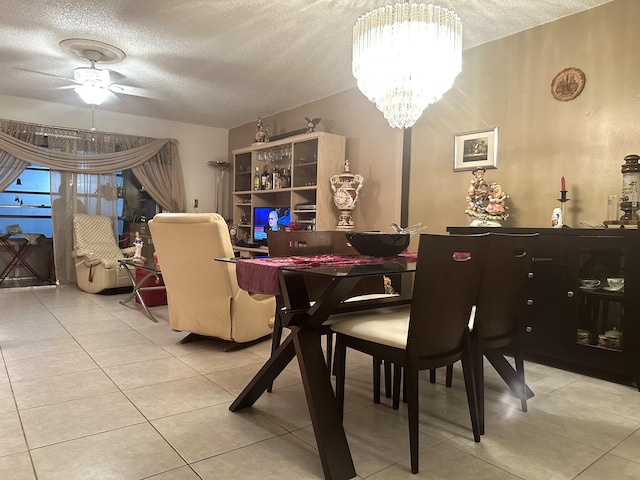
{"points": [[92, 74], [92, 93]]}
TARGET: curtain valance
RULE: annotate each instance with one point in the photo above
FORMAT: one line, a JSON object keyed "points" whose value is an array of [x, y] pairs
{"points": [[70, 162], [154, 162]]}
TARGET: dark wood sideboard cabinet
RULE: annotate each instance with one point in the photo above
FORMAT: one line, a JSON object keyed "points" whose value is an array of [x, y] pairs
{"points": [[591, 330]]}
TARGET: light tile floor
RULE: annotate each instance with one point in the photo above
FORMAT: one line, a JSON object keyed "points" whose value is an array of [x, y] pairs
{"points": [[91, 389]]}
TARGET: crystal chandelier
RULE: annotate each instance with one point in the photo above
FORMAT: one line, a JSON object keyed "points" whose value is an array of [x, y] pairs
{"points": [[405, 57]]}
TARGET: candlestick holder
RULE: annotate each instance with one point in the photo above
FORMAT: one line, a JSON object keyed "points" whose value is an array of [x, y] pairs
{"points": [[563, 202]]}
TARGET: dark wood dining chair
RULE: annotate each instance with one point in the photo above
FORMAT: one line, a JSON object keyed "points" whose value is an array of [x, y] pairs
{"points": [[495, 329], [502, 297], [368, 293], [432, 332]]}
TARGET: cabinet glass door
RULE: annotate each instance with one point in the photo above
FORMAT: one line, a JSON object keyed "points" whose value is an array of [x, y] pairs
{"points": [[305, 163], [242, 175], [601, 316]]}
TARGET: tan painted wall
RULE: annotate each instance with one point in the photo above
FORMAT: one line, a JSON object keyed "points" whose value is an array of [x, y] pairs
{"points": [[506, 83], [373, 148]]}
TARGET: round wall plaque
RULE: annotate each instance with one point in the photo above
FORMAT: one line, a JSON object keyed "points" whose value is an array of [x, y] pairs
{"points": [[568, 84]]}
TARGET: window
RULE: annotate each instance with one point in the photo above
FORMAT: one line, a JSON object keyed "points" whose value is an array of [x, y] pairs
{"points": [[27, 202]]}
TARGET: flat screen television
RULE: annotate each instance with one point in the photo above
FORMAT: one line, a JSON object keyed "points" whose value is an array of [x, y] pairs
{"points": [[265, 218]]}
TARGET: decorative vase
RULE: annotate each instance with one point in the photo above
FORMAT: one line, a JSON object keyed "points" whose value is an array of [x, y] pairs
{"points": [[630, 187], [557, 219], [346, 186]]}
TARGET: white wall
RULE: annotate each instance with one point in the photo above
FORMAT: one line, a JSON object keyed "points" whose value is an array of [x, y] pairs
{"points": [[197, 144]]}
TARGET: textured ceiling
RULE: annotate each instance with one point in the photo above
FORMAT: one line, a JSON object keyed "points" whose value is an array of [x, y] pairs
{"points": [[219, 63]]}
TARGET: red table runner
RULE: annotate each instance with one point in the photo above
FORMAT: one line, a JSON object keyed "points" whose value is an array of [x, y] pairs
{"points": [[260, 275]]}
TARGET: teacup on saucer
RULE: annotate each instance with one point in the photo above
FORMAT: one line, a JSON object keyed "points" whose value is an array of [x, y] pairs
{"points": [[589, 283], [615, 283]]}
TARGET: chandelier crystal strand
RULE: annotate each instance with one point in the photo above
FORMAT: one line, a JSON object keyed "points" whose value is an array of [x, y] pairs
{"points": [[405, 57]]}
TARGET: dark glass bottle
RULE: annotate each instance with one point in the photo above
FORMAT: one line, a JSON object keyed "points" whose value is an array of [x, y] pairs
{"points": [[264, 181]]}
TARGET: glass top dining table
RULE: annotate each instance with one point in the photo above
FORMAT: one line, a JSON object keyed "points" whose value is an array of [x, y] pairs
{"points": [[304, 319], [260, 275]]}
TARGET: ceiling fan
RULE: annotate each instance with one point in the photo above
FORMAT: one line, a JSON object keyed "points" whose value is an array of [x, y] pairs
{"points": [[92, 84]]}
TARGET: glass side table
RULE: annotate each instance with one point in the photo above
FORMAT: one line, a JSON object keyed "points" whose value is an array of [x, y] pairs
{"points": [[140, 282]]}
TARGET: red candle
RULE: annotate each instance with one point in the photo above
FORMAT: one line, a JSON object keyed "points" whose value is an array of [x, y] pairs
{"points": [[562, 186]]}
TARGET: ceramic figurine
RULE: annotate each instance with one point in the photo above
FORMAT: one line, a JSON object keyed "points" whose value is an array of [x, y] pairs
{"points": [[486, 202], [388, 288], [496, 199], [138, 243], [233, 234], [260, 132], [311, 124], [556, 218], [478, 192]]}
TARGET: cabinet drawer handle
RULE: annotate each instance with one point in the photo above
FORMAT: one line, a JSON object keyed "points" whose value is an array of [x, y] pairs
{"points": [[530, 302], [530, 275], [542, 259], [570, 294], [528, 329]]}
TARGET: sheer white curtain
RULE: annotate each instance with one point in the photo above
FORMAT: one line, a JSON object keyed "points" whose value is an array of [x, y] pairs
{"points": [[83, 162], [71, 193]]}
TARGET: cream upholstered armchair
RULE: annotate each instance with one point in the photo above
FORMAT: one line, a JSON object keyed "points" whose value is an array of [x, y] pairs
{"points": [[203, 295], [96, 254]]}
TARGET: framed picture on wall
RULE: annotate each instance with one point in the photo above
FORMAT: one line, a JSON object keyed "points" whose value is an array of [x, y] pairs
{"points": [[475, 149]]}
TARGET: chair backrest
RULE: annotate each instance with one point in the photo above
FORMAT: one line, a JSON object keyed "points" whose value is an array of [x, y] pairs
{"points": [[186, 245], [284, 244], [504, 282], [447, 282], [93, 235], [341, 245], [317, 242]]}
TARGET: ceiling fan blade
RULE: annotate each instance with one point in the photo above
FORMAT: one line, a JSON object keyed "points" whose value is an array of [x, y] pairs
{"points": [[45, 73], [134, 91]]}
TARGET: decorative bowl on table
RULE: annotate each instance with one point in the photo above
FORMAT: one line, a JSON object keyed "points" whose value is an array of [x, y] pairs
{"points": [[379, 244]]}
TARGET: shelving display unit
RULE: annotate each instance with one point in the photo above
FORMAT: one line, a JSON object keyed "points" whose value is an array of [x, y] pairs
{"points": [[299, 169]]}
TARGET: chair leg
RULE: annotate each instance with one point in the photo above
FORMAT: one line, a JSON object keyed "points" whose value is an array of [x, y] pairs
{"points": [[477, 353], [411, 379], [397, 378], [468, 372], [480, 390], [432, 375], [376, 378], [387, 378], [329, 336], [386, 366], [339, 365], [521, 380], [405, 395], [518, 357], [449, 376], [276, 337]]}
